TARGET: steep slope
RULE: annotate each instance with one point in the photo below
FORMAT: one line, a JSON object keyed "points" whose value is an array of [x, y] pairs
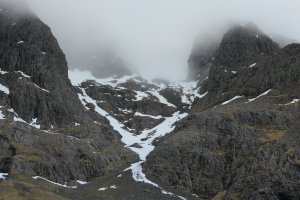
{"points": [[138, 109], [241, 139], [242, 44], [36, 66], [201, 57], [45, 130]]}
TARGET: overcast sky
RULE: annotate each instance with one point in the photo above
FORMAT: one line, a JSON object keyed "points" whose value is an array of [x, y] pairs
{"points": [[156, 36]]}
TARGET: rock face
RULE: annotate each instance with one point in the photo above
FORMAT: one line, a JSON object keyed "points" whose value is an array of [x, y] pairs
{"points": [[201, 58], [241, 139], [241, 44], [38, 72], [135, 102], [45, 130]]}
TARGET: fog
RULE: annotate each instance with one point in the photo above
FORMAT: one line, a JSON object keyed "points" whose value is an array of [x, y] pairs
{"points": [[156, 36]]}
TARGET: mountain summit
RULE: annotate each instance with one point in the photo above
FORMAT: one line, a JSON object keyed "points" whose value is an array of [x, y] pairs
{"points": [[241, 44]]}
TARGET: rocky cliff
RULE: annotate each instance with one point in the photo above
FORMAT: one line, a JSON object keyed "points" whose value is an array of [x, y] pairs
{"points": [[241, 139], [45, 130]]}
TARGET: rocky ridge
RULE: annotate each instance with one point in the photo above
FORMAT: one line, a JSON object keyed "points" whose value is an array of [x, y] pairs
{"points": [[45, 130], [241, 139]]}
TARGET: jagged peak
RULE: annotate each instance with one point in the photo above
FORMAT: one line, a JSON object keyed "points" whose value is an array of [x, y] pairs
{"points": [[242, 43]]}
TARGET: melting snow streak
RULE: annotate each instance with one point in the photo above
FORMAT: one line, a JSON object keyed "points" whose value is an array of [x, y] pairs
{"points": [[145, 139]]}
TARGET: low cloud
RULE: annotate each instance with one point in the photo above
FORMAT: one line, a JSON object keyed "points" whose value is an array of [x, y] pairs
{"points": [[156, 36]]}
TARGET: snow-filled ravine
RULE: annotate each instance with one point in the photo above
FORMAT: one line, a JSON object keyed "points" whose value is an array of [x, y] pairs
{"points": [[140, 143]]}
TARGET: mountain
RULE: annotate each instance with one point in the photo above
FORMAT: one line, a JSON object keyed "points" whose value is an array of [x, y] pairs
{"points": [[64, 141], [45, 129], [240, 140], [230, 132]]}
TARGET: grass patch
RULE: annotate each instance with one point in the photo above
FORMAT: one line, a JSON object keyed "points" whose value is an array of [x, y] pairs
{"points": [[219, 196], [271, 135], [19, 187], [220, 153], [290, 151]]}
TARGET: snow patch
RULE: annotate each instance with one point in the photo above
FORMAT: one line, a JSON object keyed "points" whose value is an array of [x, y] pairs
{"points": [[161, 99], [3, 176], [34, 124], [81, 182], [4, 89], [263, 94], [127, 137], [3, 72], [190, 91], [19, 119], [110, 187], [126, 111], [1, 114], [202, 95], [150, 116], [60, 185], [77, 77], [41, 88], [234, 98], [16, 117], [140, 95], [23, 74], [294, 101]]}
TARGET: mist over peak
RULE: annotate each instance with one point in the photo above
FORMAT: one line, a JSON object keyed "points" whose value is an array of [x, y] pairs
{"points": [[156, 37], [20, 6]]}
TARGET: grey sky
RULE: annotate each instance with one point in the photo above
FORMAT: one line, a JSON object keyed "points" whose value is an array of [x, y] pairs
{"points": [[156, 36]]}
